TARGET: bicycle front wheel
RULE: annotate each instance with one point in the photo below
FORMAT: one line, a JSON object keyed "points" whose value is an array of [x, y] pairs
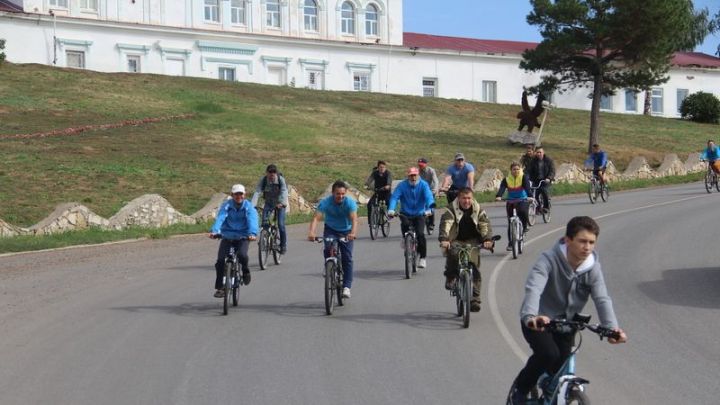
{"points": [[409, 257], [466, 280], [263, 248], [384, 224], [235, 285], [373, 222], [329, 287], [577, 396], [514, 236], [715, 180], [532, 208], [276, 246], [227, 286], [546, 215], [592, 192]]}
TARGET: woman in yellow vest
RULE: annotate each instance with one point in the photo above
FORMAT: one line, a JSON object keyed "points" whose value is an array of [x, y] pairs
{"points": [[518, 192]]}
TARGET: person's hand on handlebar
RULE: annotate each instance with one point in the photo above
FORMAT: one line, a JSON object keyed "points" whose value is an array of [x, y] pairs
{"points": [[489, 244], [391, 213], [311, 237], [498, 198], [622, 337], [252, 238], [213, 235], [351, 236], [538, 323], [445, 244]]}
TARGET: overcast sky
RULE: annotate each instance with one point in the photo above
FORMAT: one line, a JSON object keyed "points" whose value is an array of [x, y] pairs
{"points": [[493, 19]]}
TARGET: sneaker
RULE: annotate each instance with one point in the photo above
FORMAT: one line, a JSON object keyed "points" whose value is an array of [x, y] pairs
{"points": [[517, 398], [509, 248], [474, 306], [219, 294], [346, 293], [422, 263], [283, 250], [449, 283], [246, 277]]}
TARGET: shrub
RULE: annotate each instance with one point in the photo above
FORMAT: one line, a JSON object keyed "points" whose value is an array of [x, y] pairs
{"points": [[2, 54], [701, 107]]}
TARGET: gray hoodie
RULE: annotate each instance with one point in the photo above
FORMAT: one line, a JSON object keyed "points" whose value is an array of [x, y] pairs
{"points": [[554, 289]]}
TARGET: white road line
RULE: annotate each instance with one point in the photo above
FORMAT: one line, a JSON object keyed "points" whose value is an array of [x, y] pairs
{"points": [[492, 297]]}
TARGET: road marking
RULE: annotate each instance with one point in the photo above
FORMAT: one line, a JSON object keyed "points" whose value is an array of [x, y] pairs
{"points": [[492, 298]]}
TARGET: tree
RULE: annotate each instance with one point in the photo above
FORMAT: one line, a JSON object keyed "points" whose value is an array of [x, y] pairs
{"points": [[609, 44], [2, 54]]}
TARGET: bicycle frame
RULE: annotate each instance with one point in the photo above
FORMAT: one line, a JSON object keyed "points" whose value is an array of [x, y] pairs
{"points": [[333, 283]]}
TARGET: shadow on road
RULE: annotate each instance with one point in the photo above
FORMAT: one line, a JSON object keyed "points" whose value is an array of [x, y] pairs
{"points": [[686, 287], [420, 320], [203, 309]]}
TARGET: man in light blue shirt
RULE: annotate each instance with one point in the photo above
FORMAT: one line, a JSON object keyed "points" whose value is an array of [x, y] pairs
{"points": [[458, 175], [340, 214]]}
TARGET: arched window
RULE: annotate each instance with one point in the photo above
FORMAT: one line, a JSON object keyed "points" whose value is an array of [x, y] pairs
{"points": [[348, 18], [371, 20], [272, 8], [311, 15]]}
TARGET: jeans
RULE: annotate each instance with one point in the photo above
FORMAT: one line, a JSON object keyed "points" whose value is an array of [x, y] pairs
{"points": [[550, 350], [419, 224], [544, 193], [267, 211], [241, 247], [346, 249]]}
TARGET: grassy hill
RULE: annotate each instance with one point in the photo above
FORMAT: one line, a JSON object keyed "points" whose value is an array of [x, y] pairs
{"points": [[314, 137]]}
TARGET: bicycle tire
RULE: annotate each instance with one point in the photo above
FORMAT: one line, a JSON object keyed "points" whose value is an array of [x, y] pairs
{"points": [[339, 282], [329, 287], [227, 285], [373, 222], [532, 211], [605, 192], [717, 184], [591, 192], [384, 224], [275, 245], [408, 256], [428, 229], [514, 239], [467, 296], [576, 396], [236, 286], [263, 248], [458, 298], [546, 215]]}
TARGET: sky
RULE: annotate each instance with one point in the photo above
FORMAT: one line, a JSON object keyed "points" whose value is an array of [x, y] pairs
{"points": [[498, 19]]}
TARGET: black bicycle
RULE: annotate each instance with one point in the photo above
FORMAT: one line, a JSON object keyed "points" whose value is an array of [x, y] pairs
{"points": [[377, 217], [409, 247], [269, 240], [597, 188], [463, 287], [536, 205], [711, 179], [333, 272], [232, 280]]}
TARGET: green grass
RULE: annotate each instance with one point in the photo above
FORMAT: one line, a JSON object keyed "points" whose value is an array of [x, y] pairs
{"points": [[315, 137]]}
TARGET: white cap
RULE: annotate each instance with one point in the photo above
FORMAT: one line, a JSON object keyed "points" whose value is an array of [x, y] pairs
{"points": [[238, 188]]}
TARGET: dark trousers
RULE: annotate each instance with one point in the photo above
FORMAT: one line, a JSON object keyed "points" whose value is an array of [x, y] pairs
{"points": [[550, 350], [544, 193], [451, 194], [522, 207], [346, 249], [419, 224], [241, 247], [431, 218], [267, 211]]}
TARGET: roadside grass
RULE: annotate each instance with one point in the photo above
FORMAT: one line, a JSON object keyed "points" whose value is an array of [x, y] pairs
{"points": [[315, 137]]}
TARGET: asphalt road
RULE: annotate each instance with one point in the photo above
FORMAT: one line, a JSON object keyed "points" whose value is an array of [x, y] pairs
{"points": [[136, 323]]}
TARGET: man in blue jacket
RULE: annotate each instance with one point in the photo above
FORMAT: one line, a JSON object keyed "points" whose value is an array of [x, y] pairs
{"points": [[598, 160], [415, 199], [237, 224]]}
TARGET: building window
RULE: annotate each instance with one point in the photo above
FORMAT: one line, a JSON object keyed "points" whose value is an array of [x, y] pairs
{"points": [[606, 103], [59, 3], [348, 18], [311, 15], [489, 91], [87, 5], [429, 87], [657, 101], [371, 20], [75, 59], [226, 74], [212, 10], [237, 11], [273, 13], [315, 79], [630, 100], [361, 81], [133, 63], [681, 95]]}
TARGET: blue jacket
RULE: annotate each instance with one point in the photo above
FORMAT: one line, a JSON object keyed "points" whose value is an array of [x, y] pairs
{"points": [[599, 160], [414, 200], [710, 154], [235, 222]]}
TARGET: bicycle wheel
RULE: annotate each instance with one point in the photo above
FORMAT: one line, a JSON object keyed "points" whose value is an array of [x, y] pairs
{"points": [[457, 291], [715, 180], [514, 238], [275, 245], [384, 223], [521, 239], [227, 285], [546, 215], [592, 193], [428, 223], [374, 222], [467, 296], [339, 277], [577, 396], [532, 209], [235, 285], [409, 259], [604, 192], [263, 248], [329, 287]]}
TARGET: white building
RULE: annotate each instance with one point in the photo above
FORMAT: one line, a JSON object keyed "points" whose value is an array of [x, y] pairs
{"points": [[321, 44]]}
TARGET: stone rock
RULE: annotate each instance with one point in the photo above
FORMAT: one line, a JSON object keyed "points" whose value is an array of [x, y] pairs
{"points": [[639, 169], [149, 210], [571, 173], [693, 164], [671, 166], [209, 211], [7, 230], [489, 181], [297, 203], [67, 217], [522, 137], [352, 192]]}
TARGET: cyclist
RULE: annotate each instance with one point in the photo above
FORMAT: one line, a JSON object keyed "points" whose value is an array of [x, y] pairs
{"points": [[598, 159], [274, 190], [379, 180], [415, 200], [518, 189], [237, 223], [529, 155], [340, 213], [542, 168], [464, 221], [559, 284], [712, 155], [428, 174], [458, 175]]}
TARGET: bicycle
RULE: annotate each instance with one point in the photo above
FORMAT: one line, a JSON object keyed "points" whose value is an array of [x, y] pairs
{"points": [[377, 217], [409, 248], [269, 240], [463, 288], [536, 205], [429, 220], [711, 178], [515, 231], [333, 272], [596, 188], [565, 386], [232, 280]]}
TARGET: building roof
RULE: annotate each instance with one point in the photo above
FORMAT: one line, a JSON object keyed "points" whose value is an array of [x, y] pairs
{"points": [[491, 46], [6, 5]]}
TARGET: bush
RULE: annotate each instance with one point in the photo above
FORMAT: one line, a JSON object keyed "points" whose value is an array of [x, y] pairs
{"points": [[2, 54], [701, 107]]}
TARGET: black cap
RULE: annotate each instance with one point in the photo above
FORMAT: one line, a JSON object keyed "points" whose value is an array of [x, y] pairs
{"points": [[422, 160], [271, 168]]}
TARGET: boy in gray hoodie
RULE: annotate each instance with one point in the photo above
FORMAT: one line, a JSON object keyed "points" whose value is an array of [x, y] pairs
{"points": [[558, 286]]}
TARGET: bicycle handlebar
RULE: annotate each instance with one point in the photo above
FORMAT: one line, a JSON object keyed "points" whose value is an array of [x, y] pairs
{"points": [[493, 239], [319, 239], [578, 323], [219, 236]]}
